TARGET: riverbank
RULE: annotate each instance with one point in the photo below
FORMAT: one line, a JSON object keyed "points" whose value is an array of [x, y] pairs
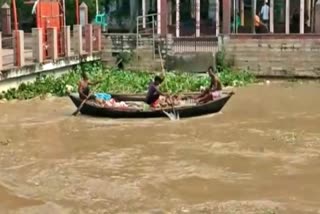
{"points": [[118, 81], [258, 82]]}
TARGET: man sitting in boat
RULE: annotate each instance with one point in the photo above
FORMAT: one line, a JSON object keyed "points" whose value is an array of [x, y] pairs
{"points": [[214, 91], [154, 93]]}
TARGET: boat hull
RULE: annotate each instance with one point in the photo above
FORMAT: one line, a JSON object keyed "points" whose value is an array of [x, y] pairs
{"points": [[184, 111]]}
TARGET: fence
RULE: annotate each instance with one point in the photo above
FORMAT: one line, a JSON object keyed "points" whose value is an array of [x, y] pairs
{"points": [[146, 30], [8, 55], [32, 49]]}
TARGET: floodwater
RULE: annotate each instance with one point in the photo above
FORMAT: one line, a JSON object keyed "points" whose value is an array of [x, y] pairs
{"points": [[260, 155]]}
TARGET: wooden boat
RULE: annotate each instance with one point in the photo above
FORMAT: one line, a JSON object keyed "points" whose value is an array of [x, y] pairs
{"points": [[184, 111]]}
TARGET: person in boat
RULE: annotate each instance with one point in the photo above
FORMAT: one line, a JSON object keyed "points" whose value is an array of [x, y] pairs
{"points": [[84, 89], [214, 90], [154, 93]]}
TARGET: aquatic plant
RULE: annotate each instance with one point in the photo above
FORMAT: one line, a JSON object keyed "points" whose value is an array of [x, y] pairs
{"points": [[117, 81]]}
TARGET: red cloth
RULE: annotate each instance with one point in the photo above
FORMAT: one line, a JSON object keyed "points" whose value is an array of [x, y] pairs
{"points": [[155, 103]]}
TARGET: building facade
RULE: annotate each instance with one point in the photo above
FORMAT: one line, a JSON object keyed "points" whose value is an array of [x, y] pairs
{"points": [[199, 18]]}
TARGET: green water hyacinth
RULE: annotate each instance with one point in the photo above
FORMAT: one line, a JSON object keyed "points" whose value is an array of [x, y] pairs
{"points": [[117, 81]]}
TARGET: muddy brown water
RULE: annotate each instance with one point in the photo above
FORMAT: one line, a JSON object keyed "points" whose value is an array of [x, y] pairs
{"points": [[260, 155]]}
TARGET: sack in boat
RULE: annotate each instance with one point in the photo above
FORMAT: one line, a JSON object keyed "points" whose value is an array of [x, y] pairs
{"points": [[120, 104], [103, 96], [113, 103]]}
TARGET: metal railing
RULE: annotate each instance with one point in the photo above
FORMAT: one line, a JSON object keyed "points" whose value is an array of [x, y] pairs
{"points": [[195, 44], [146, 37], [146, 31]]}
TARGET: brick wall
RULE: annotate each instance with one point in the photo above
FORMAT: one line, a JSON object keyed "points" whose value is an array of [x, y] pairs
{"points": [[275, 55]]}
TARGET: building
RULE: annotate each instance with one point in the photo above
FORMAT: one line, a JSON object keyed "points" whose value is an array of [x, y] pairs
{"points": [[199, 18]]}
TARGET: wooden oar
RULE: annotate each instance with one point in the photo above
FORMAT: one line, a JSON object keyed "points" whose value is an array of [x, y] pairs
{"points": [[172, 116], [81, 105]]}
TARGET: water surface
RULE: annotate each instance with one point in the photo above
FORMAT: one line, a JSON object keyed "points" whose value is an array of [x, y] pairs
{"points": [[260, 155]]}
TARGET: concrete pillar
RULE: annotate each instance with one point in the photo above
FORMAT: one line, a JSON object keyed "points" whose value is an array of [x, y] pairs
{"points": [[217, 18], [197, 18], [77, 39], [97, 7], [53, 43], [254, 12], [234, 15], [18, 48], [287, 16], [301, 16], [97, 38], [317, 17], [159, 16], [83, 14], [170, 12], [177, 18], [242, 12], [88, 39], [144, 13], [309, 12], [6, 19], [67, 41], [37, 46], [1, 60], [226, 16], [170, 43], [271, 18], [164, 20]]}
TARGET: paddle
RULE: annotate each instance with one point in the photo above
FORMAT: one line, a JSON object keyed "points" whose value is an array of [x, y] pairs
{"points": [[81, 105], [83, 102], [174, 115]]}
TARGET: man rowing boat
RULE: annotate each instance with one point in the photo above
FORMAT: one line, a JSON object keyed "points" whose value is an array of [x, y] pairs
{"points": [[214, 90], [102, 99], [84, 89], [153, 95]]}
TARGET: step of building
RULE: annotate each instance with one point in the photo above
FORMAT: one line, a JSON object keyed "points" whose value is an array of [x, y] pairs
{"points": [[284, 50], [284, 57], [282, 71], [239, 63], [254, 47], [273, 41], [274, 58], [254, 66]]}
